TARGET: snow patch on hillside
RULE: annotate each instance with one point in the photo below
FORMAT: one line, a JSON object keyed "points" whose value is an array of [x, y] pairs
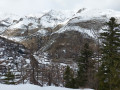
{"points": [[2, 29], [31, 23], [53, 18], [42, 32], [76, 28], [86, 15], [8, 17], [89, 14]]}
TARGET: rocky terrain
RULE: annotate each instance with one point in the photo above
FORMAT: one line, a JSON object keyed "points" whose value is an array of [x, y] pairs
{"points": [[15, 58]]}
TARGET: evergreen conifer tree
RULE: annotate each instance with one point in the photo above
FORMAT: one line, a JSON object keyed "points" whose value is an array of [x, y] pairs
{"points": [[9, 78], [70, 81], [83, 66], [109, 71]]}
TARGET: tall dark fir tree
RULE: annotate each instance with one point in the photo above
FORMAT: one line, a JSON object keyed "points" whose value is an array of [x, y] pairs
{"points": [[84, 64], [109, 71], [69, 78]]}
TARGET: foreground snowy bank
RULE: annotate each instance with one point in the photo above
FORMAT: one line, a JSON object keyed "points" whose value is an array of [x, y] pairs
{"points": [[33, 87]]}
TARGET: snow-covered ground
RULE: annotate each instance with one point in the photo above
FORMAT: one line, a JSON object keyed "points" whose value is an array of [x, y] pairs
{"points": [[89, 14], [54, 18], [33, 87], [75, 28]]}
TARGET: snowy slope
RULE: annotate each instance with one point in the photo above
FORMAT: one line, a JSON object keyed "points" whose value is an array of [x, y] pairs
{"points": [[8, 18], [25, 22], [33, 87], [76, 28], [45, 19], [2, 29], [89, 21], [53, 18], [89, 14], [36, 24]]}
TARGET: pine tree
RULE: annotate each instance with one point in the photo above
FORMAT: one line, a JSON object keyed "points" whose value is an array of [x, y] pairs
{"points": [[70, 82], [109, 71], [83, 66], [9, 78]]}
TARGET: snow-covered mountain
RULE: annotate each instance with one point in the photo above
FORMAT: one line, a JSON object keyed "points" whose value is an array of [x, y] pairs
{"points": [[54, 38], [54, 21], [50, 29], [89, 20]]}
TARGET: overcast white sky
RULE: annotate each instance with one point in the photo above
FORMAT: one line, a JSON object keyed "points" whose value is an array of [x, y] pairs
{"points": [[35, 6]]}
